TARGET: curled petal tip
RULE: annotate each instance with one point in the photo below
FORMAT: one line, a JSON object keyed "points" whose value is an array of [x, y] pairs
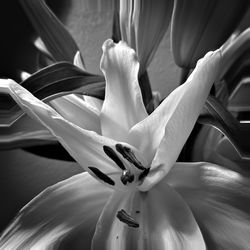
{"points": [[4, 84], [107, 45], [215, 54], [119, 53], [78, 61], [211, 62]]}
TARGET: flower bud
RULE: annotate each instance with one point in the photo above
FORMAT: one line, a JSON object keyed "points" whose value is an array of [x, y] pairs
{"points": [[201, 26], [143, 23]]}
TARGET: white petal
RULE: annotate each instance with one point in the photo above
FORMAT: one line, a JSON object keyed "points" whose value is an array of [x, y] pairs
{"points": [[73, 108], [166, 130], [39, 44], [78, 60], [63, 214], [83, 145], [123, 106], [94, 102], [161, 220], [219, 199], [24, 75], [78, 111], [24, 129], [156, 99]]}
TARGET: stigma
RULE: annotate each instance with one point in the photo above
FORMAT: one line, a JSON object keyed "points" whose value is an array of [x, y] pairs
{"points": [[133, 171]]}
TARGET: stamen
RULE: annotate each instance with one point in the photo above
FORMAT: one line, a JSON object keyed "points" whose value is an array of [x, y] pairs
{"points": [[113, 156], [102, 176], [126, 218], [143, 174], [127, 177], [129, 155]]}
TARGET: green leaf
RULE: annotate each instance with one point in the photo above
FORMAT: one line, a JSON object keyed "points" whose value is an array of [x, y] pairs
{"points": [[234, 50], [238, 133], [56, 38], [64, 78], [238, 71], [54, 81], [47, 84]]}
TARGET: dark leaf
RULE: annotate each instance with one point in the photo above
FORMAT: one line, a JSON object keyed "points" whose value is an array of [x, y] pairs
{"points": [[146, 91], [201, 26], [116, 32], [238, 133], [64, 78], [239, 99], [238, 70], [234, 51], [53, 33], [54, 81], [47, 84]]}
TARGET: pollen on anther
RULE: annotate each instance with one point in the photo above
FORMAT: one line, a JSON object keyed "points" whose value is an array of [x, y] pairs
{"points": [[124, 217]]}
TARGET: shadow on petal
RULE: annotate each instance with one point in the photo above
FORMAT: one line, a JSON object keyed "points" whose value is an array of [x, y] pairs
{"points": [[24, 175], [58, 213], [219, 199], [158, 219]]}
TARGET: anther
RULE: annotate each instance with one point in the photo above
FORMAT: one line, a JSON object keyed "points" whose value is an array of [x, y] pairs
{"points": [[113, 156], [102, 176], [129, 155], [143, 174], [126, 218]]}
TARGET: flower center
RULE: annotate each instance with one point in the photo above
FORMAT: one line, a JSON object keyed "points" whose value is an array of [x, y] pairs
{"points": [[133, 170]]}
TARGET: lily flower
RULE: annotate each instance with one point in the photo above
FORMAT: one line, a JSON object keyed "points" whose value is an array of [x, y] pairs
{"points": [[195, 28], [133, 194], [54, 43]]}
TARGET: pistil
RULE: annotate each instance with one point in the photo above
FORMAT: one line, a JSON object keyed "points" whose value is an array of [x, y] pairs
{"points": [[127, 177]]}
